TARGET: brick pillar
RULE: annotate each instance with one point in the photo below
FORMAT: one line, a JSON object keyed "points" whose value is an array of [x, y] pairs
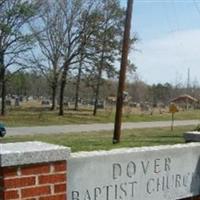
{"points": [[35, 174]]}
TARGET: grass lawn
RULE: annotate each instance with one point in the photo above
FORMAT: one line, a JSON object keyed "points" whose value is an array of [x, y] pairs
{"points": [[103, 140], [43, 117]]}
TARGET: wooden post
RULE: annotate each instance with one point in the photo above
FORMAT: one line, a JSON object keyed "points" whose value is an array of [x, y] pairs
{"points": [[122, 77]]}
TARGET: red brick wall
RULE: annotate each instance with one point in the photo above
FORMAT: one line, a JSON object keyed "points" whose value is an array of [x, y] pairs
{"points": [[34, 182]]}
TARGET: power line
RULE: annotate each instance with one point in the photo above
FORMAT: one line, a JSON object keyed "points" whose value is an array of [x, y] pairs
{"points": [[196, 6], [176, 17]]}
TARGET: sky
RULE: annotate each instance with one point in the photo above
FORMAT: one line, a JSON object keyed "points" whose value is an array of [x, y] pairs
{"points": [[169, 40]]}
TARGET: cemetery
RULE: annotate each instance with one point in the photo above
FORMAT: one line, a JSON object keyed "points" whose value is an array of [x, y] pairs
{"points": [[70, 71]]}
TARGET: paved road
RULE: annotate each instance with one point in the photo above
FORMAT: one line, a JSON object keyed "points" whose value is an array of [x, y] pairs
{"points": [[92, 127]]}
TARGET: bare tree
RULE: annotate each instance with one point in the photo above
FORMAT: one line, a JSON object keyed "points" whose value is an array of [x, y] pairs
{"points": [[107, 44], [15, 39], [86, 50], [46, 30], [78, 81], [77, 15]]}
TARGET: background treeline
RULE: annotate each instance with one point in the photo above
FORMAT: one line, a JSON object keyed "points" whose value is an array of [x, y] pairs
{"points": [[36, 85]]}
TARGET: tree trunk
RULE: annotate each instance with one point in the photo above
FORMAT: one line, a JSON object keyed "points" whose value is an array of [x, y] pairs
{"points": [[100, 73], [3, 84], [54, 88], [99, 81], [97, 92], [78, 83], [3, 96], [62, 89]]}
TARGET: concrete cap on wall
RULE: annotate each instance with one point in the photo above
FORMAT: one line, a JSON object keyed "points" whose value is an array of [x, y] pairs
{"points": [[23, 153]]}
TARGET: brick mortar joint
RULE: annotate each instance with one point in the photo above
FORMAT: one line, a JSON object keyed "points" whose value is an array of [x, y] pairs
{"points": [[34, 186], [19, 193], [19, 177], [54, 173], [34, 175]]}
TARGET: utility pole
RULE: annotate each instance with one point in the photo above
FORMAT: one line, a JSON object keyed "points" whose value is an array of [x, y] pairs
{"points": [[122, 76]]}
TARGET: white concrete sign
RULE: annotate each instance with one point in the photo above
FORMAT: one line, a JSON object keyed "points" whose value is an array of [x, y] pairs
{"points": [[153, 173]]}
